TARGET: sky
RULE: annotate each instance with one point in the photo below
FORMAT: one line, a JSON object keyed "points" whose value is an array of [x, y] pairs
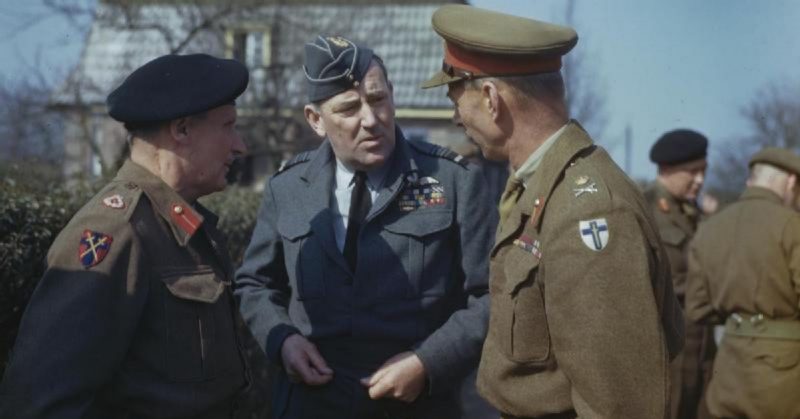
{"points": [[659, 65]]}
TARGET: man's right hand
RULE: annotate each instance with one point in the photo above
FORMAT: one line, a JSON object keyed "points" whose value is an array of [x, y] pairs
{"points": [[303, 363]]}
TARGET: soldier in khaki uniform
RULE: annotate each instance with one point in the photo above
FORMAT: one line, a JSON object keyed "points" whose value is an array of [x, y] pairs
{"points": [[744, 271], [681, 159], [583, 317], [134, 316]]}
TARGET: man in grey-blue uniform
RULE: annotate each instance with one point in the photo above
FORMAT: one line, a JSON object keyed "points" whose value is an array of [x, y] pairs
{"points": [[366, 277]]}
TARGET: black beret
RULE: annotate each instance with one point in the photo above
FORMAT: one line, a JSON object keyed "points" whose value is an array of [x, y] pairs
{"points": [[333, 65], [782, 158], [679, 146], [174, 86]]}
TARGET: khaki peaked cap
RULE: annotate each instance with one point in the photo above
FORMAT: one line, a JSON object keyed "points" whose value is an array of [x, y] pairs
{"points": [[481, 42], [782, 158]]}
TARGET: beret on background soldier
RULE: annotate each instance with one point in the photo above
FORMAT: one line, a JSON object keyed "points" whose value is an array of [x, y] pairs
{"points": [[334, 64], [781, 158], [679, 146], [505, 45], [175, 86]]}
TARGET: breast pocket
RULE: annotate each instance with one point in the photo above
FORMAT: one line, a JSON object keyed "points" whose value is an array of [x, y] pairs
{"points": [[198, 321], [304, 258], [422, 243], [519, 308]]}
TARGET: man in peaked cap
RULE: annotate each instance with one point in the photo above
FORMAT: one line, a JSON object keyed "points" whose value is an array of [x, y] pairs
{"points": [[744, 272], [366, 276], [681, 158], [134, 316], [583, 317]]}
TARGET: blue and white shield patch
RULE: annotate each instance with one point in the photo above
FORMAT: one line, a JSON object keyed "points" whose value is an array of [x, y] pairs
{"points": [[594, 233]]}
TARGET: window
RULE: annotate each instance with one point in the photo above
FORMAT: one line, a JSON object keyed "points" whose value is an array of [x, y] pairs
{"points": [[249, 45]]}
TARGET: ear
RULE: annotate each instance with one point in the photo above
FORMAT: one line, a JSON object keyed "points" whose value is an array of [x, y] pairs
{"points": [[491, 99], [179, 130], [791, 182], [315, 120]]}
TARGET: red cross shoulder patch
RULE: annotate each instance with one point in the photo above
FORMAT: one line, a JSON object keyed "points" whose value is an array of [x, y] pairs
{"points": [[93, 248]]}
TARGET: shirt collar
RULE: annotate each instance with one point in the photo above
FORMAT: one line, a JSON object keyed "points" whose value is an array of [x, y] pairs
{"points": [[528, 168], [375, 177]]}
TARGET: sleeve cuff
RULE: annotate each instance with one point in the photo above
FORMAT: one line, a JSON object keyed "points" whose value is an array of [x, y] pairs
{"points": [[275, 339]]}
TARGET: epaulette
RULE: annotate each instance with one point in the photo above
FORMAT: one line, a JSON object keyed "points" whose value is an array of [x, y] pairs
{"points": [[120, 197], [434, 150], [300, 158]]}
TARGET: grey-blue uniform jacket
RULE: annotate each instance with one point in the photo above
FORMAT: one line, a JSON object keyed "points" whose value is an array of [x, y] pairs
{"points": [[421, 280]]}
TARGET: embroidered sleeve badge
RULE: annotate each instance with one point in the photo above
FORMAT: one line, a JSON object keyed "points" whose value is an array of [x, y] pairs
{"points": [[594, 233], [93, 248]]}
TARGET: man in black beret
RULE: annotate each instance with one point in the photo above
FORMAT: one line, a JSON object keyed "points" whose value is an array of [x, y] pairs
{"points": [[681, 159], [134, 316], [366, 277]]}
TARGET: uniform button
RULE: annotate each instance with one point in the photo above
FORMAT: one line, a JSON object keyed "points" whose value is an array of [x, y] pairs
{"points": [[178, 209]]}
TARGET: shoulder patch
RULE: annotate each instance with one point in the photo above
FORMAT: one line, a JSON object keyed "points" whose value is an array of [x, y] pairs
{"points": [[437, 151], [294, 161], [93, 247]]}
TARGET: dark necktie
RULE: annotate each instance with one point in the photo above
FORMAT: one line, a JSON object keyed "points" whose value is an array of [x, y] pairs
{"points": [[360, 204]]}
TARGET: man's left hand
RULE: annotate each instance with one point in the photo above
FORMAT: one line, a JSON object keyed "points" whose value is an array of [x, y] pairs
{"points": [[402, 377]]}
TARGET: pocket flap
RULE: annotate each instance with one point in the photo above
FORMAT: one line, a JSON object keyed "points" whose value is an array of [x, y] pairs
{"points": [[421, 222], [293, 229], [519, 265], [202, 286]]}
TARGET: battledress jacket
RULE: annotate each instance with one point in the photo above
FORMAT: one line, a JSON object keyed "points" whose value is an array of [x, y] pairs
{"points": [[422, 272], [746, 261], [583, 317], [134, 317]]}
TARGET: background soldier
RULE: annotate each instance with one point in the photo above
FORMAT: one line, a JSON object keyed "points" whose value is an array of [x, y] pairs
{"points": [[681, 159], [744, 271], [583, 318], [134, 316], [366, 277]]}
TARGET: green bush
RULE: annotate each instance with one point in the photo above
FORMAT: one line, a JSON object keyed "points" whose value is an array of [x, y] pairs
{"points": [[237, 208], [33, 209]]}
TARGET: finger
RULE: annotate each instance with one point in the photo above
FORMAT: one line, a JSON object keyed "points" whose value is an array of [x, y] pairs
{"points": [[366, 381], [317, 361], [379, 390], [378, 375]]}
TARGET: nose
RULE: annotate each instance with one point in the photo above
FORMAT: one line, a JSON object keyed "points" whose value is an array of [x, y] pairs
{"points": [[699, 178], [239, 147], [368, 117]]}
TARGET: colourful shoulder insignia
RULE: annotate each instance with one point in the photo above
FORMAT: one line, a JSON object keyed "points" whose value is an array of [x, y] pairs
{"points": [[594, 233], [434, 150], [663, 205], [93, 247], [300, 158]]}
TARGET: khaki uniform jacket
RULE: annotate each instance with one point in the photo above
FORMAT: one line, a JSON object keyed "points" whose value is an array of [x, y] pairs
{"points": [[583, 316], [133, 317], [676, 224], [691, 370], [746, 260]]}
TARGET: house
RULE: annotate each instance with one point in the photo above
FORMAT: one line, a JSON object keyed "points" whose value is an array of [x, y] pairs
{"points": [[268, 36]]}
